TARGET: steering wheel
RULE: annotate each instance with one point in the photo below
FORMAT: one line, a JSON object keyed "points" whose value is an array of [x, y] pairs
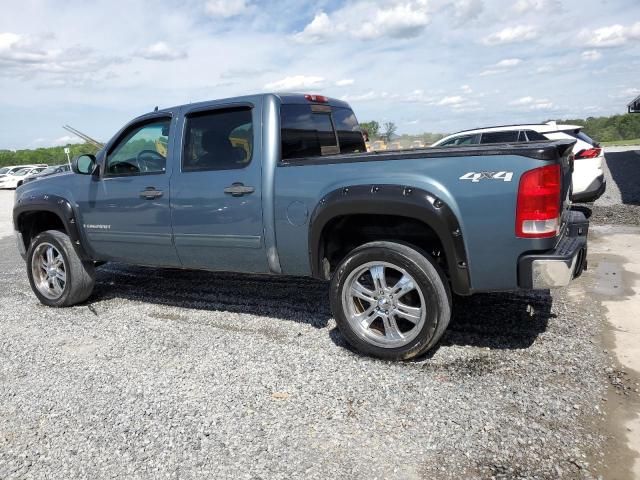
{"points": [[141, 162]]}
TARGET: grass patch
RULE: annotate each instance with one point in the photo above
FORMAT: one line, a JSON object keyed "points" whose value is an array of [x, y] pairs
{"points": [[622, 143]]}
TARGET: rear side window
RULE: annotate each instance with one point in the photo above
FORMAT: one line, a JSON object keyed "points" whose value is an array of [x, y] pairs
{"points": [[500, 137], [218, 140], [315, 130], [534, 136], [349, 133], [462, 140]]}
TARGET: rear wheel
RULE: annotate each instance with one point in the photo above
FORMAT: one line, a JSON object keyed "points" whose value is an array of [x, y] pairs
{"points": [[58, 277], [390, 300]]}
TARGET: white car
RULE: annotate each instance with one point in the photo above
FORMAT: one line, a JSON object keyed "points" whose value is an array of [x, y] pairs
{"points": [[588, 177], [16, 178], [4, 171]]}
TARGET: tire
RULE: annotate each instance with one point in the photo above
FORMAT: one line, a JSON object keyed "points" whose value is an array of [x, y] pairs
{"points": [[391, 325], [45, 273]]}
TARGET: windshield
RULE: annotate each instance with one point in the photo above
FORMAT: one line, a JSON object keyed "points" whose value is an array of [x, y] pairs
{"points": [[20, 173], [4, 170], [49, 170]]}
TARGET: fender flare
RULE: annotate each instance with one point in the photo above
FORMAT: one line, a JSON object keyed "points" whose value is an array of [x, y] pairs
{"points": [[59, 206], [397, 200]]}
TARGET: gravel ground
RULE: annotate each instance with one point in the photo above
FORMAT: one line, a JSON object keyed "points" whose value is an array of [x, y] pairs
{"points": [[173, 374], [181, 374]]}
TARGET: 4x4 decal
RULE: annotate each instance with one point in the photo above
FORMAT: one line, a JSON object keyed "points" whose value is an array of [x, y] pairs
{"points": [[475, 177]]}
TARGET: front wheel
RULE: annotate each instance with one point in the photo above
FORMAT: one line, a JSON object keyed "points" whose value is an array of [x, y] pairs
{"points": [[57, 275], [390, 300]]}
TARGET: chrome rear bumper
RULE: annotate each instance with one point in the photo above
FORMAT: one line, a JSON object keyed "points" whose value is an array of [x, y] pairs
{"points": [[557, 267]]}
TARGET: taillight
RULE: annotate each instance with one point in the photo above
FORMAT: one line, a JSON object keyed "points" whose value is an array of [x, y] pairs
{"points": [[317, 98], [588, 153], [538, 209]]}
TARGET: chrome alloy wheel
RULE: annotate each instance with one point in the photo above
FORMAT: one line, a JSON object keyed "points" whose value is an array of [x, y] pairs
{"points": [[48, 271], [384, 304]]}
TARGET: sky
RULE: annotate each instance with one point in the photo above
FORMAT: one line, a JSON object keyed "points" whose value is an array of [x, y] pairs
{"points": [[426, 65]]}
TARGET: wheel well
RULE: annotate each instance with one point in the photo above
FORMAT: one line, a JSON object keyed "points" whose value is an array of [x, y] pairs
{"points": [[344, 233], [31, 224]]}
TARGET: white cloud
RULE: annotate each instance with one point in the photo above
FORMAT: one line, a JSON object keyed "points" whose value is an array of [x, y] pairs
{"points": [[611, 36], [591, 55], [8, 40], [34, 56], [622, 93], [65, 140], [466, 89], [501, 67], [362, 97], [226, 8], [345, 82], [452, 100], [295, 82], [508, 62], [161, 51], [531, 103], [367, 21], [519, 33], [317, 30], [526, 6], [467, 10]]}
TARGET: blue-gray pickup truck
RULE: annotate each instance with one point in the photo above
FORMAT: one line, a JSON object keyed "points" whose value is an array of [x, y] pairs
{"points": [[282, 184]]}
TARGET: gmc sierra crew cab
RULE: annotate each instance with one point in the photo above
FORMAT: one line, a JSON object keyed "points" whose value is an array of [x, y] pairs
{"points": [[282, 184]]}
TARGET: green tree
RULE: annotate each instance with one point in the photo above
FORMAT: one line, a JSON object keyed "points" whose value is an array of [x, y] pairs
{"points": [[49, 156], [372, 128], [389, 131]]}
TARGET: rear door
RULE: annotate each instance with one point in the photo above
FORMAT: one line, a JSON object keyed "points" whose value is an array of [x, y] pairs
{"points": [[216, 194]]}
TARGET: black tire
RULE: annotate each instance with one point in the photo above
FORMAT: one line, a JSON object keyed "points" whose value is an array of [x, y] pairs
{"points": [[80, 276], [430, 281]]}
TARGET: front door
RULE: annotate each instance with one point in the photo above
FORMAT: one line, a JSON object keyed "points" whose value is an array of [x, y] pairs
{"points": [[216, 197], [127, 211]]}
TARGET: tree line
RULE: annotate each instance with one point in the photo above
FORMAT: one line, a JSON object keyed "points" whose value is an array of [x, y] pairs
{"points": [[609, 129], [48, 156]]}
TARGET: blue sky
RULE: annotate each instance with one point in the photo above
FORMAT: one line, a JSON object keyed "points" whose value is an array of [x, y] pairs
{"points": [[427, 65]]}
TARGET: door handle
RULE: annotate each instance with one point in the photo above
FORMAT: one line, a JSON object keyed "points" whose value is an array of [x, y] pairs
{"points": [[238, 189], [151, 193]]}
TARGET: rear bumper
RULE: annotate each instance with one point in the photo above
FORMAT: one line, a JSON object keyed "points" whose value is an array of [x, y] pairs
{"points": [[556, 268], [593, 192]]}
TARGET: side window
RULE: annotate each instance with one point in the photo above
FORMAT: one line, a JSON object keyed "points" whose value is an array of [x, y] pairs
{"points": [[468, 140], [305, 132], [449, 143], [348, 129], [534, 136], [461, 140], [142, 150], [218, 140], [500, 137]]}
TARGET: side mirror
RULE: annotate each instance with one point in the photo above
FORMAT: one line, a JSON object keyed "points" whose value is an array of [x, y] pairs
{"points": [[84, 164]]}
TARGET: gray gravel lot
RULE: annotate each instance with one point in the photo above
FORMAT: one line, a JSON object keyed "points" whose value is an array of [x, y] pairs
{"points": [[175, 374]]}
